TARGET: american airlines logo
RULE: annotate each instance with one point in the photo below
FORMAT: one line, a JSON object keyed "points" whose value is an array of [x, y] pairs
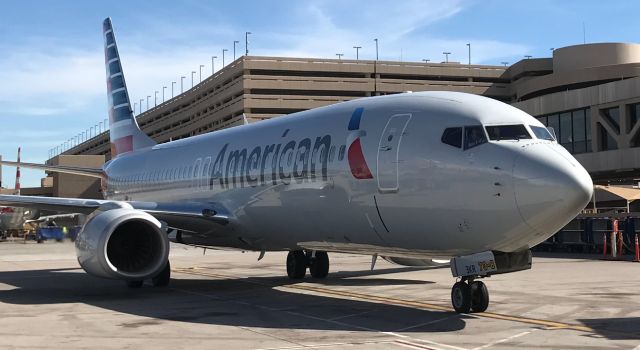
{"points": [[282, 162], [303, 160], [357, 163]]}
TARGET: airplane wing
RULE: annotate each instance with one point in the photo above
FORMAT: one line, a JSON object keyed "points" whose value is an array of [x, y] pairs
{"points": [[93, 172], [190, 216]]}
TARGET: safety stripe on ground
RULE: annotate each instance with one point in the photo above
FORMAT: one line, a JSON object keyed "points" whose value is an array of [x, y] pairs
{"points": [[399, 302]]}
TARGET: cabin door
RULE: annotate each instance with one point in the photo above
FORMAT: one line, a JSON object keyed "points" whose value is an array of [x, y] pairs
{"points": [[388, 153]]}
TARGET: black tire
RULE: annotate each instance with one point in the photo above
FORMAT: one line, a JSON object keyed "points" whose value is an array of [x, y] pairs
{"points": [[134, 284], [479, 297], [163, 278], [319, 266], [296, 264], [461, 297]]}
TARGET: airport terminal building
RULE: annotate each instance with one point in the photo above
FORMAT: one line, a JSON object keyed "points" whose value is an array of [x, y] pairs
{"points": [[589, 94]]}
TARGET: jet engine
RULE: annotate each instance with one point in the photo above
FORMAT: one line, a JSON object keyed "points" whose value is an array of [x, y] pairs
{"points": [[122, 243]]}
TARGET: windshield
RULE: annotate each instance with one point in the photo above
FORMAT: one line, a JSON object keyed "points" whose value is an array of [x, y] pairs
{"points": [[507, 132], [541, 133], [473, 136]]}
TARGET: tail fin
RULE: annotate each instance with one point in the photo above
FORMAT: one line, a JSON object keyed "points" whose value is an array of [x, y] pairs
{"points": [[17, 190], [124, 132]]}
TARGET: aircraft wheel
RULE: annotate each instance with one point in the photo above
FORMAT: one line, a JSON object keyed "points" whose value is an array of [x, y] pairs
{"points": [[479, 297], [163, 278], [461, 297], [134, 284], [296, 264], [319, 266]]}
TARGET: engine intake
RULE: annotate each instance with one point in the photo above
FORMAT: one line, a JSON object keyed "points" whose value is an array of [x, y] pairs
{"points": [[122, 243]]}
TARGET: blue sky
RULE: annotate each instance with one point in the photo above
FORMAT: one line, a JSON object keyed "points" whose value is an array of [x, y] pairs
{"points": [[51, 61]]}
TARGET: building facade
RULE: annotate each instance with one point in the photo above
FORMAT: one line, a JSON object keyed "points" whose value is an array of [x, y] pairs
{"points": [[589, 94]]}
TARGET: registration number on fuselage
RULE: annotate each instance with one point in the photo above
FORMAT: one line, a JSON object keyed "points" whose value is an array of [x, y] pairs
{"points": [[479, 264]]}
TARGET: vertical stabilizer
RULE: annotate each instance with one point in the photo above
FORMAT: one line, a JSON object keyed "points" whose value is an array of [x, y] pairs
{"points": [[124, 132], [17, 188]]}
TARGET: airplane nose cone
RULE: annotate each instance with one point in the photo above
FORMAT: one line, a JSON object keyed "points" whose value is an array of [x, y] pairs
{"points": [[551, 187]]}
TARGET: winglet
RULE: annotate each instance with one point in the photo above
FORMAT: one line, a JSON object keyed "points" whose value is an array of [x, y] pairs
{"points": [[124, 131]]}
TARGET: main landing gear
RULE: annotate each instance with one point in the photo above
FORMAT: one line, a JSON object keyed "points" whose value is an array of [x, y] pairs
{"points": [[469, 295], [160, 280], [299, 260]]}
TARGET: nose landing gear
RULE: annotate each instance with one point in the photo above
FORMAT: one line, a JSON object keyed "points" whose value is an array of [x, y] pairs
{"points": [[469, 295]]}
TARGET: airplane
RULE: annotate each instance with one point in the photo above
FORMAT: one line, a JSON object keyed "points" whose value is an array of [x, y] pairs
{"points": [[14, 218], [412, 177]]}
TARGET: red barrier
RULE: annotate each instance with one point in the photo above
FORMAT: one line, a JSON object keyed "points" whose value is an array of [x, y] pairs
{"points": [[637, 258], [620, 244]]}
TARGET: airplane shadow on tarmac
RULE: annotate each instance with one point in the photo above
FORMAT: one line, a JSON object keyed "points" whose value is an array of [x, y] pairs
{"points": [[246, 302]]}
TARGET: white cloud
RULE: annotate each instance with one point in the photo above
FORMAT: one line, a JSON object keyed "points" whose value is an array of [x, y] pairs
{"points": [[62, 79]]}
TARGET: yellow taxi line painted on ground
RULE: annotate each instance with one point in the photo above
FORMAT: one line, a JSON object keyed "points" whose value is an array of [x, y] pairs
{"points": [[400, 302]]}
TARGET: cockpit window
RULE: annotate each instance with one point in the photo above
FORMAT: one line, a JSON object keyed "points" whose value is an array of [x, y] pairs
{"points": [[543, 133], [507, 132], [452, 137], [473, 136]]}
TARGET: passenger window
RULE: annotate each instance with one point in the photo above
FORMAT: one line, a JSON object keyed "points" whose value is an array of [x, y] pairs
{"points": [[452, 137], [473, 136]]}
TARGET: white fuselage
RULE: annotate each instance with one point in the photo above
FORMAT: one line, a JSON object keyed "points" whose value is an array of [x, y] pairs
{"points": [[296, 181]]}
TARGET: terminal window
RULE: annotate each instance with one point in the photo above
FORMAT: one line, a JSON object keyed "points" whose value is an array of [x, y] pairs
{"points": [[572, 128]]}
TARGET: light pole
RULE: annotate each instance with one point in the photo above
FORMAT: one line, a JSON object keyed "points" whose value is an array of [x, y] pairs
{"points": [[446, 56], [246, 43], [505, 63], [155, 98], [135, 104], [527, 56], [148, 97], [172, 84], [376, 40], [182, 84], [357, 51], [469, 46], [223, 51], [106, 126], [201, 66], [426, 60], [192, 74], [234, 49], [164, 87], [213, 65], [339, 55], [141, 105]]}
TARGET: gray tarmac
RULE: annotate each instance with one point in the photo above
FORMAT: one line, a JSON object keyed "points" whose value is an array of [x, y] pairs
{"points": [[229, 300]]}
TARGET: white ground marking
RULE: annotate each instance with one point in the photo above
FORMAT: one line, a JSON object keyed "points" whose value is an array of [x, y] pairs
{"points": [[344, 324], [427, 323], [504, 339], [424, 341]]}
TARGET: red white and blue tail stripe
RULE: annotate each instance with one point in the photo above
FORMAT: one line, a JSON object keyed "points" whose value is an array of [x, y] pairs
{"points": [[124, 131]]}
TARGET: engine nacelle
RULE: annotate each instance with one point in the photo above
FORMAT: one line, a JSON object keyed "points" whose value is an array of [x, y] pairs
{"points": [[122, 243]]}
